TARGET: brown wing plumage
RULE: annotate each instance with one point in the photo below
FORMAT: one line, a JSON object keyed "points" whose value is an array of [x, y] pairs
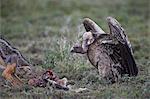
{"points": [[90, 25], [122, 51]]}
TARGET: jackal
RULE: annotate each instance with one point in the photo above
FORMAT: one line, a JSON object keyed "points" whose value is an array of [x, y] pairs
{"points": [[12, 63]]}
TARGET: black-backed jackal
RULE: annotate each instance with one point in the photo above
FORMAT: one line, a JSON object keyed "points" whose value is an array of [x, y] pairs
{"points": [[12, 63]]}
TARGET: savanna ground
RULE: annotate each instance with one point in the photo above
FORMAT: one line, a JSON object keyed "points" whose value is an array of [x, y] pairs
{"points": [[45, 30]]}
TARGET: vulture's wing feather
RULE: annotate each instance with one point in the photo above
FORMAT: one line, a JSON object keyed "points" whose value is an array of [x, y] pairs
{"points": [[90, 25], [128, 61], [117, 31], [122, 51]]}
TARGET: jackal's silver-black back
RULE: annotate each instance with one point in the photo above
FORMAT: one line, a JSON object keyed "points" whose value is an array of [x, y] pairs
{"points": [[6, 50]]}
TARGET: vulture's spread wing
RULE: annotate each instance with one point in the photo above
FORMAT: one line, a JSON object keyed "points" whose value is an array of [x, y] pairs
{"points": [[122, 52], [91, 26]]}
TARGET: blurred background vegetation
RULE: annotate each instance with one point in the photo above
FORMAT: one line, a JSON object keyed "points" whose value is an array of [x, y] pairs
{"points": [[45, 30]]}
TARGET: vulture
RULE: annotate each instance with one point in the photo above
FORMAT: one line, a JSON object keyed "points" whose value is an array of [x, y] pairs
{"points": [[110, 53]]}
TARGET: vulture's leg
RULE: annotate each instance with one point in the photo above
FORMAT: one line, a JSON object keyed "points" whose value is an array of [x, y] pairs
{"points": [[104, 68]]}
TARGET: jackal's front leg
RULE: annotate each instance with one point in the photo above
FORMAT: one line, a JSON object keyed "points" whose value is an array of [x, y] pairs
{"points": [[9, 75]]}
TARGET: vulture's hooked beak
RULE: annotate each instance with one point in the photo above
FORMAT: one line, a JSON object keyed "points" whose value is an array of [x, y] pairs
{"points": [[77, 48]]}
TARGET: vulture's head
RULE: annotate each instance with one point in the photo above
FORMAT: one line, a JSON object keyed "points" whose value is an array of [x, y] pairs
{"points": [[82, 46], [92, 32]]}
